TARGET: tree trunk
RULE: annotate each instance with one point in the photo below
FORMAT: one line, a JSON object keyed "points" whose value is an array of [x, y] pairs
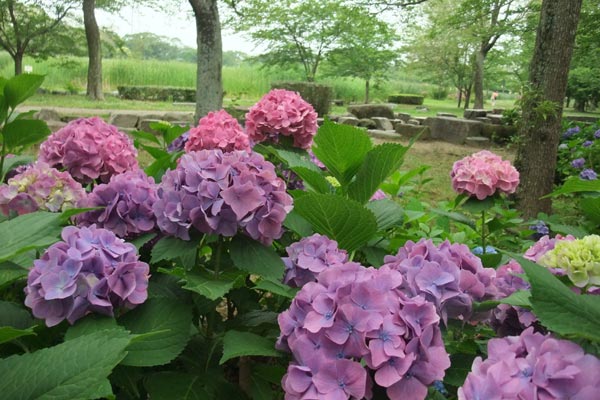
{"points": [[366, 91], [478, 79], [92, 35], [540, 134], [18, 59], [468, 96], [460, 93], [209, 85]]}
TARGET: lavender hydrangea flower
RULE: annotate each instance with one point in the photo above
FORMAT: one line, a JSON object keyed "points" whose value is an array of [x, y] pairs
{"points": [[540, 229], [587, 143], [127, 202], [310, 256], [544, 245], [89, 271], [89, 149], [588, 175], [354, 322], [448, 275], [532, 366], [597, 134], [578, 163], [40, 187], [216, 192], [179, 143], [571, 132]]}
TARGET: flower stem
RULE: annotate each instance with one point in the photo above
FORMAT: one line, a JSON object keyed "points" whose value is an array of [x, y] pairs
{"points": [[483, 236]]}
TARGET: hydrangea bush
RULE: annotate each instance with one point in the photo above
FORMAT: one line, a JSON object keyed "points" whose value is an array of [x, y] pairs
{"points": [[204, 275]]}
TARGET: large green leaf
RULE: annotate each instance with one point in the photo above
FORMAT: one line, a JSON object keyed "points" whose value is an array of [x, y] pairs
{"points": [[313, 180], [13, 162], [558, 308], [27, 232], [387, 212], [177, 385], [167, 323], [292, 157], [380, 162], [14, 322], [341, 219], [255, 258], [74, 370], [24, 132], [8, 333], [11, 272], [342, 148], [238, 344], [296, 223], [172, 248], [276, 287], [211, 288], [591, 208], [576, 185], [21, 87]]}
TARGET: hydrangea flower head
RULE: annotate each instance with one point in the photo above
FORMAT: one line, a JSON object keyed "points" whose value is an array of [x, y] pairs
{"points": [[588, 175], [544, 245], [216, 192], [282, 112], [578, 163], [597, 134], [488, 250], [379, 195], [89, 271], [40, 187], [217, 130], [483, 174], [353, 320], [579, 259], [448, 275], [89, 149], [571, 132], [563, 146], [587, 143], [127, 201], [310, 256], [532, 366]]}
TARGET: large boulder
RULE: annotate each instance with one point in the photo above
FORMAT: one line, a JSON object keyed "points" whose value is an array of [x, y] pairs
{"points": [[367, 123], [47, 114], [498, 133], [383, 124], [453, 130], [471, 113], [411, 131], [352, 121], [403, 116], [371, 110], [495, 119], [124, 120]]}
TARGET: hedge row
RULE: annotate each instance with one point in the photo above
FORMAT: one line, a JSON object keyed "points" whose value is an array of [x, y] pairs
{"points": [[406, 99], [157, 93]]}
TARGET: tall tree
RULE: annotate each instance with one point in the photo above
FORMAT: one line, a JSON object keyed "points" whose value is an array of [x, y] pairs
{"points": [[92, 35], [26, 25], [542, 104], [209, 83]]}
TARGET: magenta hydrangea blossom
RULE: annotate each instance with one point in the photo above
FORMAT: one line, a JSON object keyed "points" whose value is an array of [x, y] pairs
{"points": [[282, 112], [89, 271], [310, 256], [127, 201], [533, 366], [90, 149], [483, 174], [40, 187], [379, 195], [544, 245], [448, 275], [354, 322], [217, 192], [217, 130]]}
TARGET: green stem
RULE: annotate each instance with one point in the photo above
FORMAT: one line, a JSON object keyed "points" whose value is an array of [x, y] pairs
{"points": [[483, 237], [219, 250]]}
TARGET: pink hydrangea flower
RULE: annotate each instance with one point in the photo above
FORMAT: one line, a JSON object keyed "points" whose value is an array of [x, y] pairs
{"points": [[483, 174], [90, 149], [282, 112], [40, 187], [217, 130]]}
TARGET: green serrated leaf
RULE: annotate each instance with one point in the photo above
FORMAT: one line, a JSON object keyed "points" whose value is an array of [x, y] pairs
{"points": [[212, 289], [174, 132], [8, 333], [141, 135], [343, 220], [490, 260], [24, 132], [475, 206], [576, 231], [11, 272], [342, 148], [90, 324], [292, 157], [155, 152], [26, 232], [142, 240], [380, 162], [276, 287], [558, 308], [238, 344], [520, 298], [12, 314], [21, 87], [172, 248], [387, 212], [177, 385], [591, 208], [167, 321], [62, 372], [313, 181], [576, 185], [296, 223], [455, 216], [460, 367], [374, 255], [255, 258]]}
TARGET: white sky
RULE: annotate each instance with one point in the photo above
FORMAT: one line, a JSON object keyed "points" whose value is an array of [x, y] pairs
{"points": [[180, 25]]}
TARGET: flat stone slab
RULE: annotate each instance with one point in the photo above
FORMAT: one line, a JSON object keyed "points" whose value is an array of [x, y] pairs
{"points": [[403, 116], [367, 123], [352, 121], [444, 114], [371, 110], [47, 114], [495, 119], [478, 141], [472, 113], [378, 133], [124, 120], [411, 131], [55, 125], [383, 124], [453, 130]]}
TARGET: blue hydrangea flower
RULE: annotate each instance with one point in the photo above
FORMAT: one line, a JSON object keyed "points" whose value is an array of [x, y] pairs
{"points": [[597, 134], [571, 132], [588, 175], [488, 250], [587, 143], [578, 163]]}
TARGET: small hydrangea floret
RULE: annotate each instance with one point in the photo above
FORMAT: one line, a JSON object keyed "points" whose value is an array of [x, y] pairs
{"points": [[282, 112], [484, 174], [90, 149], [89, 271], [217, 130], [40, 187], [220, 193]]}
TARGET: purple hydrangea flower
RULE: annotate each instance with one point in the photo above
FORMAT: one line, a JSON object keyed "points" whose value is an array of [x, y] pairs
{"points": [[540, 229], [40, 187], [448, 275], [571, 132], [578, 163], [127, 200], [356, 322], [310, 256], [217, 192], [597, 134], [90, 270], [587, 143], [588, 174], [179, 143], [532, 366]]}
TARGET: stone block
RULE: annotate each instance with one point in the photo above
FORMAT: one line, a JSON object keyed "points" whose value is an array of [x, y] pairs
{"points": [[47, 114], [367, 123], [403, 116], [55, 125], [478, 141], [381, 134], [124, 120], [484, 120], [383, 124], [415, 121], [353, 121], [498, 133], [410, 131], [495, 119], [371, 110], [471, 113], [449, 115], [453, 130], [144, 125]]}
